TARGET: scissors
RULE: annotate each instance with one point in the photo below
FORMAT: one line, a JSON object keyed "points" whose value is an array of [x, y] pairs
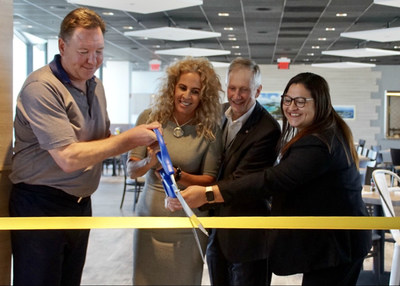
{"points": [[172, 190], [169, 184]]}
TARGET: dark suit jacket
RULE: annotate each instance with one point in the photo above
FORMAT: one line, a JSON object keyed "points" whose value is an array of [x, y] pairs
{"points": [[253, 149], [310, 180]]}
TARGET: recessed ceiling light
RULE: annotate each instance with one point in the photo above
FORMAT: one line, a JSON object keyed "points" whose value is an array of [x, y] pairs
{"points": [[396, 47], [232, 39], [315, 47], [329, 29], [310, 54], [361, 53], [194, 52], [228, 29], [342, 65], [223, 14], [140, 6], [378, 35], [173, 34], [127, 27], [108, 13], [394, 3], [321, 39], [341, 14], [235, 47], [372, 60], [237, 54]]}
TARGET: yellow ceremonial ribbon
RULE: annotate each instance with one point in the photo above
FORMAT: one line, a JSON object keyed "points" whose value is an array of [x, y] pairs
{"points": [[36, 223]]}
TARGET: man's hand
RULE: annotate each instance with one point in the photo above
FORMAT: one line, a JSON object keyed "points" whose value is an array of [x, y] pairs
{"points": [[143, 135], [195, 196]]}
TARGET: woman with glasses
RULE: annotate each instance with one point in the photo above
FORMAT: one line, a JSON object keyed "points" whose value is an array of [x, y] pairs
{"points": [[317, 176]]}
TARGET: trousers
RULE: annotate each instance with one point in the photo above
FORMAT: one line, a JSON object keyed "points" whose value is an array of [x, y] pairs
{"points": [[224, 272], [47, 257]]}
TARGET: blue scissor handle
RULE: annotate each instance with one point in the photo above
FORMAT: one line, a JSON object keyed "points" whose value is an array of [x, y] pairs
{"points": [[167, 184], [167, 170], [163, 155]]}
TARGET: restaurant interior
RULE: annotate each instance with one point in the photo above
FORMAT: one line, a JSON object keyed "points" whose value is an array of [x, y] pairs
{"points": [[354, 45]]}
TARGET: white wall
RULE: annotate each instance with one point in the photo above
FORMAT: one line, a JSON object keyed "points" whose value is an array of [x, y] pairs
{"points": [[52, 49], [116, 80], [144, 86]]}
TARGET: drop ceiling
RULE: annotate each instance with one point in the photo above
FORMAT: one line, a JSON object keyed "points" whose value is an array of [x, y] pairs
{"points": [[261, 30]]}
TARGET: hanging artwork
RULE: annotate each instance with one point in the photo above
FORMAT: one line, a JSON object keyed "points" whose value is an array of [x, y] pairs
{"points": [[346, 111]]}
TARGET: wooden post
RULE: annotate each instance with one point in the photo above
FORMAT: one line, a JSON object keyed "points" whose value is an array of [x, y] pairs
{"points": [[6, 124]]}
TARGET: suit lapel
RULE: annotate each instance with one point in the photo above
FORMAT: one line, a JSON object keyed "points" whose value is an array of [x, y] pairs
{"points": [[243, 133]]}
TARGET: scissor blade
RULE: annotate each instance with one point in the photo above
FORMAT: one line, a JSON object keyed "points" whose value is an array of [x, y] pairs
{"points": [[191, 215]]}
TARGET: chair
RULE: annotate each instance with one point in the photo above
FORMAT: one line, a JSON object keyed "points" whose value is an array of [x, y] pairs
{"points": [[368, 174], [375, 251], [361, 142], [376, 148], [364, 168], [137, 183], [395, 155], [107, 162], [365, 152], [381, 182], [372, 154]]}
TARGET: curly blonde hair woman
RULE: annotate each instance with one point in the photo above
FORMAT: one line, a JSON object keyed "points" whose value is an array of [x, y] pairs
{"points": [[208, 113], [188, 107]]}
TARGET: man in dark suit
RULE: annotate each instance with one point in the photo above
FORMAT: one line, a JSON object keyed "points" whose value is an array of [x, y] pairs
{"points": [[250, 135]]}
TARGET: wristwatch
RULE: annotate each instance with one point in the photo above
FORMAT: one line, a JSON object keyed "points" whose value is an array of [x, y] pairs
{"points": [[178, 174], [210, 194]]}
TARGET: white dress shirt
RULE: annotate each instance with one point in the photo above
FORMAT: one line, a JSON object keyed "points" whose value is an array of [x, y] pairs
{"points": [[233, 126]]}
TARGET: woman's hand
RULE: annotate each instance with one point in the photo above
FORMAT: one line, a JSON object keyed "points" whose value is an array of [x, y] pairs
{"points": [[172, 204]]}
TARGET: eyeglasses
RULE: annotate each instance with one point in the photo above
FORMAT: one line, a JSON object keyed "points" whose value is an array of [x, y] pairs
{"points": [[298, 101]]}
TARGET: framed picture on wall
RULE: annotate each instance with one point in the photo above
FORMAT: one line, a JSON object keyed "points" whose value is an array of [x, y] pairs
{"points": [[347, 112], [271, 101]]}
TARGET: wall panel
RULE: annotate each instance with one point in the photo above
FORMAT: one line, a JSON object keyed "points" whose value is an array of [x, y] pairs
{"points": [[6, 35]]}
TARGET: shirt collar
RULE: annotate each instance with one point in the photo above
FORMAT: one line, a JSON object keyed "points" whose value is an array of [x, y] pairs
{"points": [[242, 119], [58, 70]]}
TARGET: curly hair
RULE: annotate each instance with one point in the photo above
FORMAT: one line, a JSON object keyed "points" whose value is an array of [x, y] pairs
{"points": [[208, 113]]}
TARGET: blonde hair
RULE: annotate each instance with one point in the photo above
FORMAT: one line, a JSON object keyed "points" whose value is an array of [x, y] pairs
{"points": [[208, 113]]}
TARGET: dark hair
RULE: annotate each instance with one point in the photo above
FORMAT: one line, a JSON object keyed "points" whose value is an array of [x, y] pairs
{"points": [[326, 118], [80, 17]]}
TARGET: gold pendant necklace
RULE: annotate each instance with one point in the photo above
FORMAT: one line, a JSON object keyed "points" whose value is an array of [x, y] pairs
{"points": [[178, 131]]}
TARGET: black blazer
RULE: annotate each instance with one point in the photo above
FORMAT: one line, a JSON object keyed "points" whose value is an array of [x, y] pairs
{"points": [[253, 149], [310, 180]]}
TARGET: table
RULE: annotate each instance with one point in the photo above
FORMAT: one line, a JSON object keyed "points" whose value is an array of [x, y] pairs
{"points": [[373, 198], [115, 162]]}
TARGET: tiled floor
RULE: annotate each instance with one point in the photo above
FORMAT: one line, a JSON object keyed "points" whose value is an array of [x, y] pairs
{"points": [[109, 258]]}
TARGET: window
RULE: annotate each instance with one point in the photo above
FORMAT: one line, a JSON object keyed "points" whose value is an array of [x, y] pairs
{"points": [[392, 107]]}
